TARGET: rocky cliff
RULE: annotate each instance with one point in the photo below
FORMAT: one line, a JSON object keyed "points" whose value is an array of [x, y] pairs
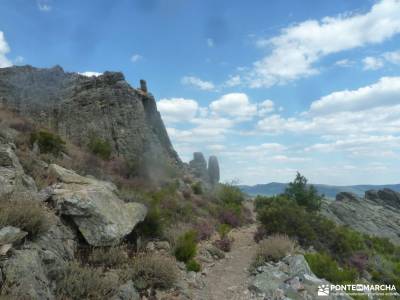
{"points": [[376, 214], [80, 108]]}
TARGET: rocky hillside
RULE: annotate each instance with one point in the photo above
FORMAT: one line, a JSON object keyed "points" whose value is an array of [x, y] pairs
{"points": [[377, 213], [82, 109]]}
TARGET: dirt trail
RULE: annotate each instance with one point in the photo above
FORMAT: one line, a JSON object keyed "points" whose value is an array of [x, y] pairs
{"points": [[228, 278]]}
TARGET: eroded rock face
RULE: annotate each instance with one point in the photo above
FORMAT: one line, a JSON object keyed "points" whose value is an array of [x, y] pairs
{"points": [[80, 107], [376, 214], [198, 165], [290, 278], [13, 179], [102, 218], [213, 169]]}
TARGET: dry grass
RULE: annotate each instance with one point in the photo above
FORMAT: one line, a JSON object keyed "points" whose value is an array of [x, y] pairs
{"points": [[27, 215], [78, 282], [112, 257], [152, 270], [274, 248]]}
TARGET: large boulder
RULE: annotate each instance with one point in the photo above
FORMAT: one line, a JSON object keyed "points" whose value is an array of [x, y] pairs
{"points": [[290, 278], [376, 214], [25, 276], [13, 180], [101, 217]]}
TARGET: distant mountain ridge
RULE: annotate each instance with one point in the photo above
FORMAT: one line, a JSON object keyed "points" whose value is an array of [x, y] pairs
{"points": [[330, 191]]}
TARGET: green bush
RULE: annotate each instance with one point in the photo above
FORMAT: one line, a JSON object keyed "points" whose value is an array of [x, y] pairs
{"points": [[152, 225], [152, 270], [186, 246], [48, 142], [100, 147], [197, 188], [78, 282], [193, 265], [27, 215], [326, 267], [223, 230], [303, 194]]}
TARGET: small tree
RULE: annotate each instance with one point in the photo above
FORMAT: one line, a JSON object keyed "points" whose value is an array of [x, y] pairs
{"points": [[304, 195]]}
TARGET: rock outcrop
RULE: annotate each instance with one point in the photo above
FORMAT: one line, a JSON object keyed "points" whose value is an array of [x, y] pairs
{"points": [[101, 217], [13, 180], [208, 174], [290, 278], [213, 169], [80, 108], [378, 213]]}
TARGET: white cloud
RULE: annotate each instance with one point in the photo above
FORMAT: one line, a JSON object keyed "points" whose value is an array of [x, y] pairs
{"points": [[198, 83], [344, 63], [392, 57], [233, 81], [236, 105], [177, 109], [136, 57], [4, 49], [44, 5], [210, 42], [299, 47], [266, 107], [383, 93], [271, 147], [91, 74], [372, 63]]}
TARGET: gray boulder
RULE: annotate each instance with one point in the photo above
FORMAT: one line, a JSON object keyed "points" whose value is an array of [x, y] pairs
{"points": [[11, 235], [25, 276], [102, 218], [13, 180], [290, 278], [213, 170], [127, 291]]}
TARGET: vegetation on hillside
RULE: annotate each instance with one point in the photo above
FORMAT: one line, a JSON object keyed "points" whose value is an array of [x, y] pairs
{"points": [[343, 254]]}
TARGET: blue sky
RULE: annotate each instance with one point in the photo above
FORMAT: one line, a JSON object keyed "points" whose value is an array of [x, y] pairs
{"points": [[271, 88]]}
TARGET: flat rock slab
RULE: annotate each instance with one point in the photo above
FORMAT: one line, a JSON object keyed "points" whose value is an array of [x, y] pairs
{"points": [[101, 217]]}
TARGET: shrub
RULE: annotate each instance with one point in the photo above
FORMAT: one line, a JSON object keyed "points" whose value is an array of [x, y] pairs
{"points": [[193, 265], [78, 282], [108, 257], [223, 230], [27, 215], [153, 270], [186, 246], [230, 195], [224, 244], [48, 142], [303, 194], [326, 267], [152, 225], [204, 230], [100, 147], [227, 216], [197, 188], [274, 248]]}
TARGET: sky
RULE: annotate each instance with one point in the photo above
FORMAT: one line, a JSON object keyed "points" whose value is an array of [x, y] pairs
{"points": [[270, 87]]}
